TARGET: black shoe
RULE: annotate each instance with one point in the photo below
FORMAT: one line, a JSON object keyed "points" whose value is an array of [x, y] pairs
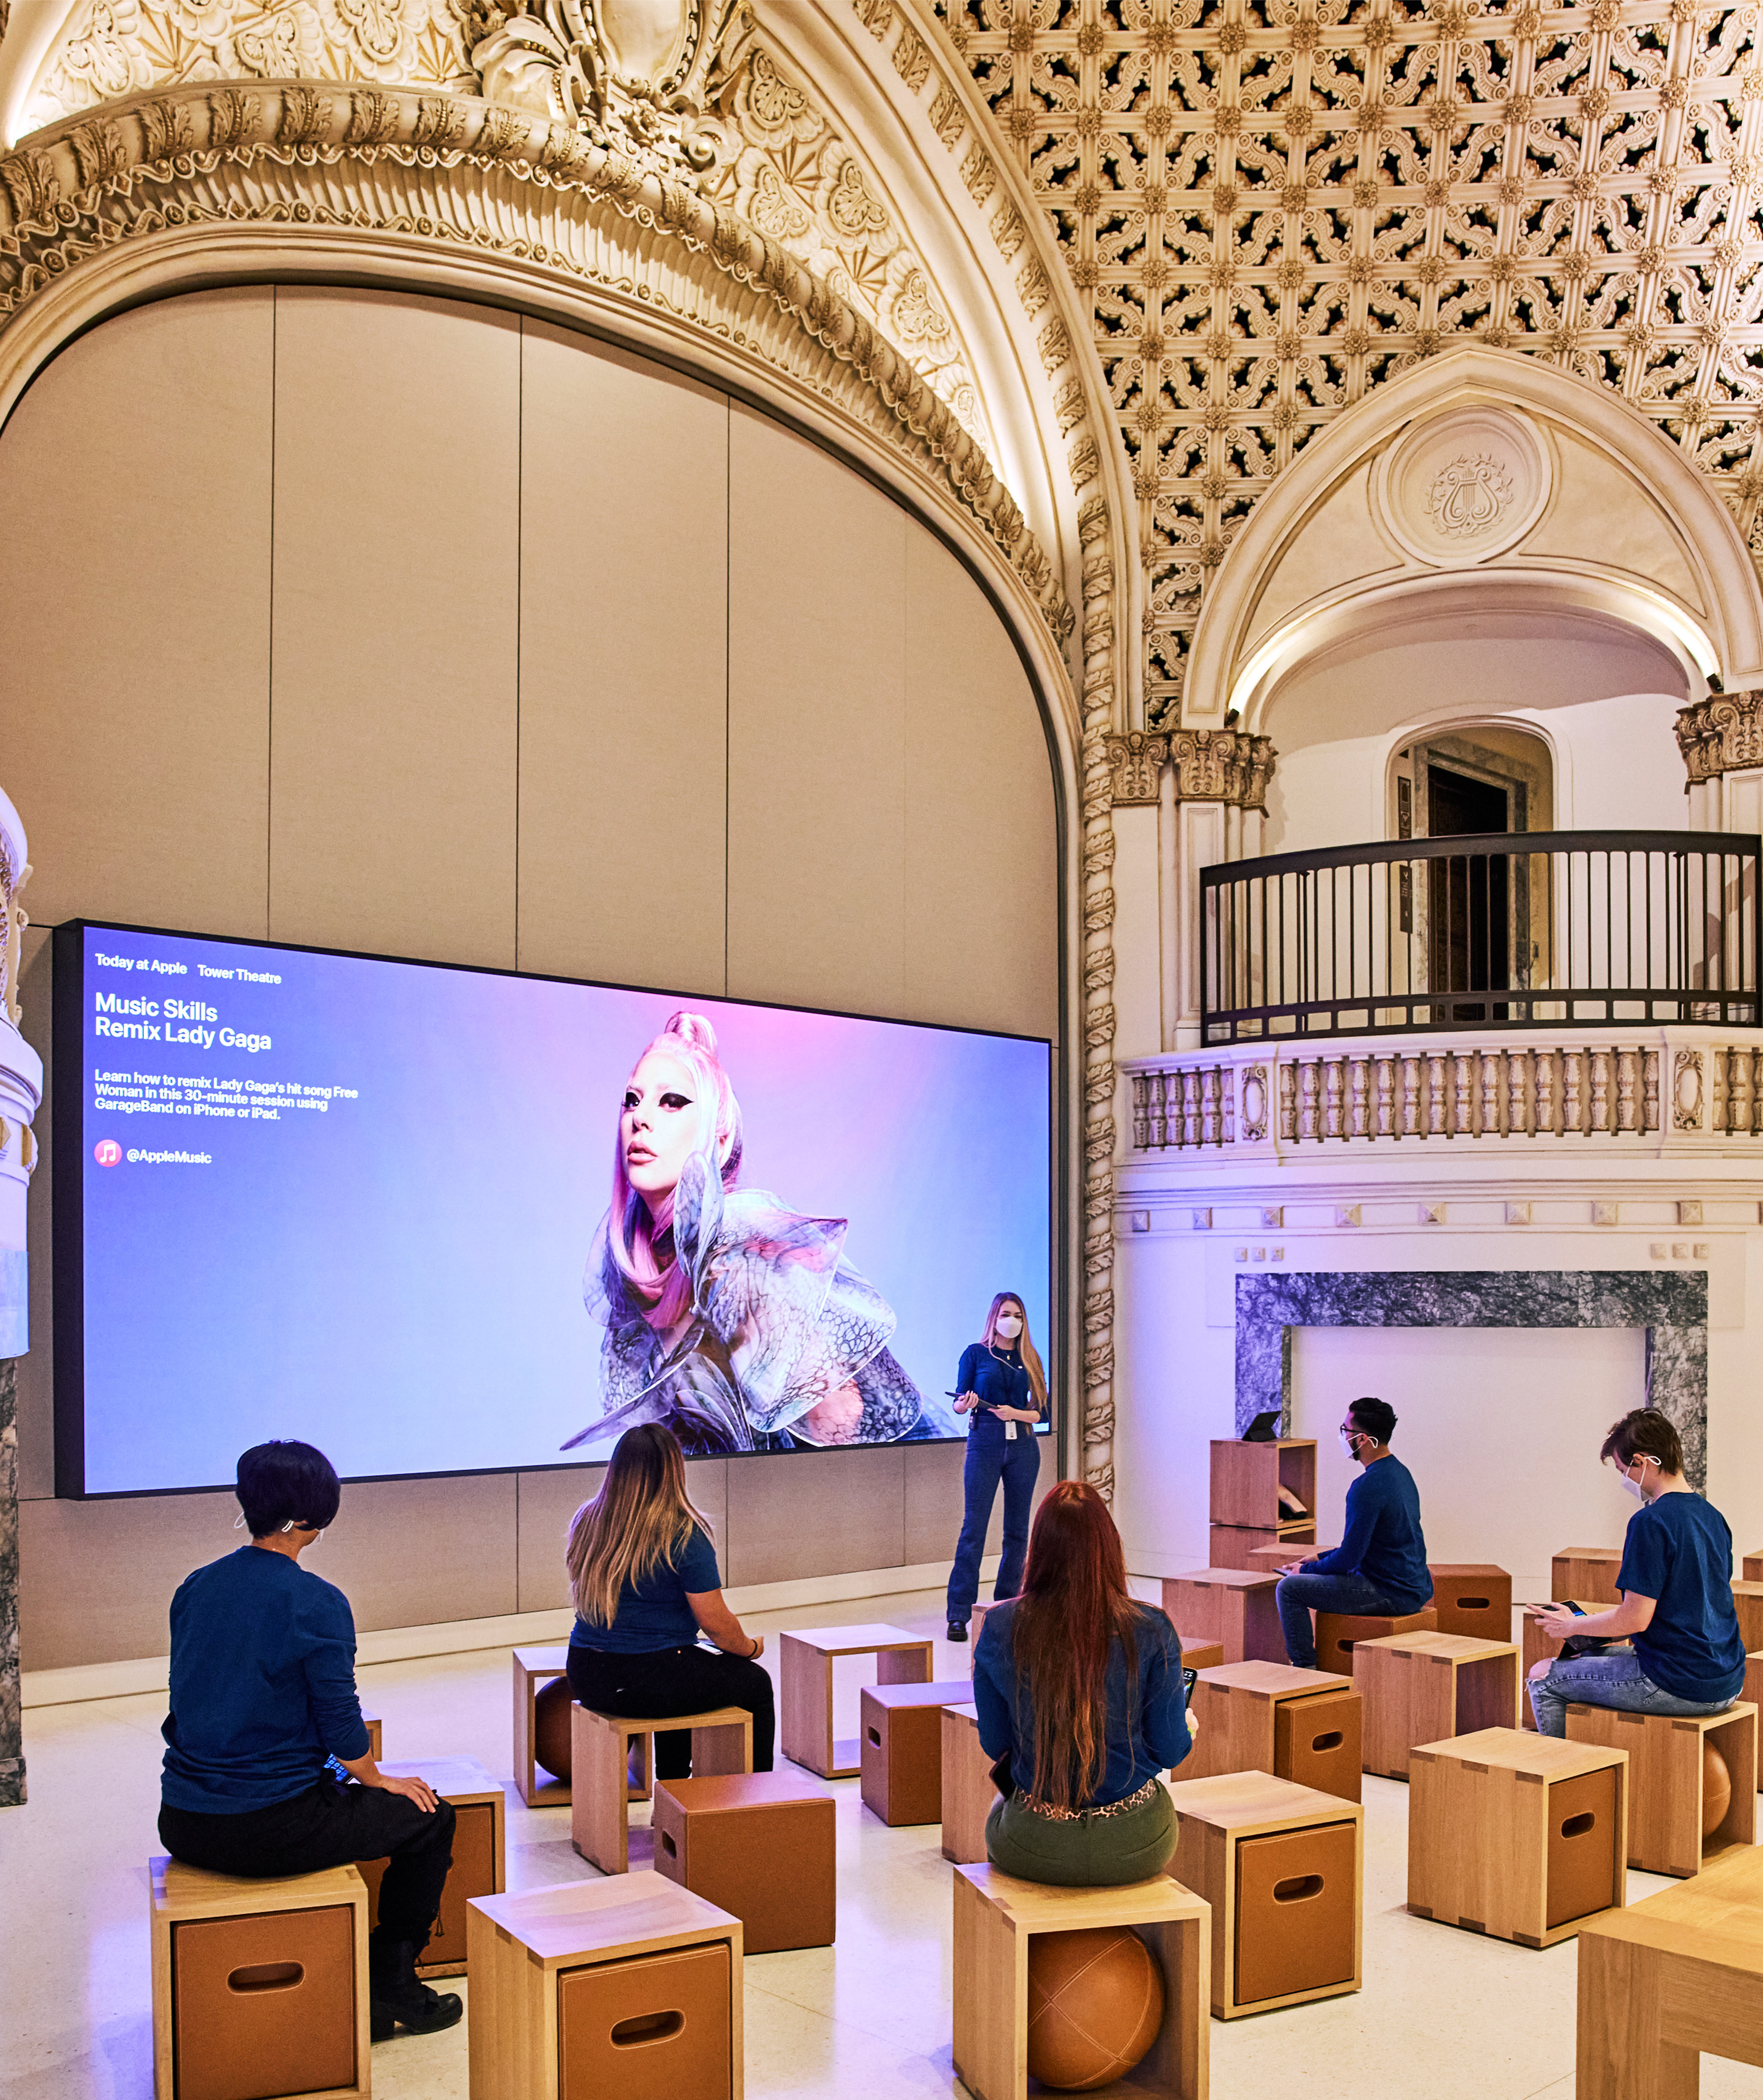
{"points": [[397, 1998], [957, 1629]]}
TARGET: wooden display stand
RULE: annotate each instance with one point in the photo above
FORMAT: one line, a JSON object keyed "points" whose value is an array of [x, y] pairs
{"points": [[1423, 1687], [804, 1667], [1522, 1837], [901, 1755], [534, 1666], [1537, 1647], [1678, 1975], [968, 1792], [1665, 1781], [211, 2036], [1229, 1606], [1747, 1602], [1339, 1635], [554, 1970], [1472, 1598], [1246, 1480], [996, 1915], [600, 1814], [1587, 1573], [480, 1854], [1281, 1866], [1245, 1708], [1273, 1559]]}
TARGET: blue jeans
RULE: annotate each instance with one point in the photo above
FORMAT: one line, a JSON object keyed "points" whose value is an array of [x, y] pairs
{"points": [[1298, 1596], [990, 1458], [1614, 1679]]}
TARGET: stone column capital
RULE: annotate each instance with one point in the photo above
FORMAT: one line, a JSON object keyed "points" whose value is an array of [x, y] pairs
{"points": [[1723, 734], [1226, 766]]}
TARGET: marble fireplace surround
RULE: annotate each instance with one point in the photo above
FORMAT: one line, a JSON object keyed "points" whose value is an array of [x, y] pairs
{"points": [[1671, 1306]]}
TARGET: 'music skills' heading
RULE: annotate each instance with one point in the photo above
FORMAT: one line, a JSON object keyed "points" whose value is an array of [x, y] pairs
{"points": [[168, 1020]]}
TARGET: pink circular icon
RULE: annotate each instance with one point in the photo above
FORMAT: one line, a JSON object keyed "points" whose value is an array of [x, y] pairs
{"points": [[107, 1152]]}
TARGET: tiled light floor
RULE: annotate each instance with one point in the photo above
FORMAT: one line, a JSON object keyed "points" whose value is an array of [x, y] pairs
{"points": [[1442, 2014]]}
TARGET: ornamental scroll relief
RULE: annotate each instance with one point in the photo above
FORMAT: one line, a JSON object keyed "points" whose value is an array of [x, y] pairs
{"points": [[1723, 734], [1226, 766]]}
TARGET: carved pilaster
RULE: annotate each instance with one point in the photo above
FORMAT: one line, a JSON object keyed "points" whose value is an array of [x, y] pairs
{"points": [[1723, 734], [1226, 766]]}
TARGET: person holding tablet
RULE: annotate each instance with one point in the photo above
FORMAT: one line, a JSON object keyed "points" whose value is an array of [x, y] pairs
{"points": [[1685, 1654]]}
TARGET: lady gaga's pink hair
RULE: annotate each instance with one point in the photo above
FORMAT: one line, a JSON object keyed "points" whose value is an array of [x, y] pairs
{"points": [[634, 1226]]}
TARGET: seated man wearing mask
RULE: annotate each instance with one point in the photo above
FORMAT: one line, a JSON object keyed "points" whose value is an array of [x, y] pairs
{"points": [[1379, 1569]]}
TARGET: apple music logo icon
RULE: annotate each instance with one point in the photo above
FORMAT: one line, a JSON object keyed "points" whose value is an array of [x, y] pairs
{"points": [[107, 1152]]}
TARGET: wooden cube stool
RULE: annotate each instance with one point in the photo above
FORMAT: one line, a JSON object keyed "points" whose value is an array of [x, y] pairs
{"points": [[758, 1845], [968, 1792], [247, 1973], [1752, 1567], [599, 1814], [1521, 1837], [901, 1752], [1303, 1725], [1753, 1691], [1249, 1546], [1665, 1771], [1282, 1868], [534, 1667], [1201, 1654], [1586, 1571], [370, 1722], [480, 1867], [804, 1668], [1747, 1602], [996, 1915], [1339, 1635], [1537, 1647], [1472, 1598], [630, 1987], [1229, 1606], [1422, 1687]]}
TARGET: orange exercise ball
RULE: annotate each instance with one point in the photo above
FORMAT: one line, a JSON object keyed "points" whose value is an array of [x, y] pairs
{"points": [[1716, 1788], [1095, 2005], [550, 1732]]}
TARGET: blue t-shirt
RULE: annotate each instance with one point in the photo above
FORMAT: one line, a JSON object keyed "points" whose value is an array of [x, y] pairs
{"points": [[1145, 1734], [653, 1614], [1678, 1551], [999, 1380], [263, 1684], [1382, 1539]]}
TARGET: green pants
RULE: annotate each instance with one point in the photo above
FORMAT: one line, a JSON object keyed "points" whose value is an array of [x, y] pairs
{"points": [[1096, 1852]]}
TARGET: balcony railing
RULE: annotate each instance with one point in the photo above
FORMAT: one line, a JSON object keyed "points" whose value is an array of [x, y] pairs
{"points": [[1529, 929]]}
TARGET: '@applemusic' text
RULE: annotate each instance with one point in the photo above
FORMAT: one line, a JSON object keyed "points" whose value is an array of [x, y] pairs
{"points": [[169, 1021]]}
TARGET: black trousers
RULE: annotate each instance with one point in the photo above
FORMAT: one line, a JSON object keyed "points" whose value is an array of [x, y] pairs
{"points": [[330, 1825], [676, 1680]]}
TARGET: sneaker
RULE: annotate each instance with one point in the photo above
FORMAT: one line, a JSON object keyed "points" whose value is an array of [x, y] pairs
{"points": [[957, 1629]]}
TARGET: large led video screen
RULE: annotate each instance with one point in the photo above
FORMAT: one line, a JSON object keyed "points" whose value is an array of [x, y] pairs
{"points": [[437, 1219]]}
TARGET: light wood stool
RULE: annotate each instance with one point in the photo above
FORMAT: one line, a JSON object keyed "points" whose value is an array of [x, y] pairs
{"points": [[1201, 1654], [996, 1915], [1253, 1718], [557, 1973], [1665, 1780], [1587, 1573], [1753, 1691], [1753, 1566], [534, 1666], [370, 1722], [1520, 1837], [247, 1973], [968, 1792], [901, 1753], [1339, 1635], [1537, 1647], [1747, 1602], [1229, 1606], [480, 1854], [600, 1814], [1423, 1688], [1672, 1977], [1281, 1866], [758, 1845], [805, 1659], [1472, 1598]]}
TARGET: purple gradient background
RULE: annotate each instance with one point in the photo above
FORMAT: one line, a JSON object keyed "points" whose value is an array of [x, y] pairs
{"points": [[399, 1280]]}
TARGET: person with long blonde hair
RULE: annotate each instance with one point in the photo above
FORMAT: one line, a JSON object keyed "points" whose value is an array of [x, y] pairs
{"points": [[1081, 1688], [1001, 1387], [643, 1577]]}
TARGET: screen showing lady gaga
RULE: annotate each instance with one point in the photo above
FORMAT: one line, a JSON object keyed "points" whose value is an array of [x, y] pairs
{"points": [[435, 1219]]}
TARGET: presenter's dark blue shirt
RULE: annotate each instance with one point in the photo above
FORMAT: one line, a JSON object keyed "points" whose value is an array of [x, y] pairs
{"points": [[263, 1684], [653, 1614], [1382, 1539], [1678, 1551], [1147, 1728], [999, 1380]]}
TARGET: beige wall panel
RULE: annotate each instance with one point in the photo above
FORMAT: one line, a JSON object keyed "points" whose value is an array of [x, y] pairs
{"points": [[413, 1553], [936, 1504], [815, 1513], [982, 928], [817, 728], [623, 642], [135, 515], [96, 1579], [397, 566]]}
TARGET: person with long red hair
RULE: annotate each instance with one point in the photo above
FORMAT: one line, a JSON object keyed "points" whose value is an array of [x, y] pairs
{"points": [[1079, 1686]]}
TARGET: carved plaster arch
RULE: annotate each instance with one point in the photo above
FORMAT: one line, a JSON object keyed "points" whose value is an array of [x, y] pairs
{"points": [[1711, 620]]}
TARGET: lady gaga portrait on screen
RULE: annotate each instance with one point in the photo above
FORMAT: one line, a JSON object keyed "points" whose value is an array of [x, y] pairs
{"points": [[735, 1321]]}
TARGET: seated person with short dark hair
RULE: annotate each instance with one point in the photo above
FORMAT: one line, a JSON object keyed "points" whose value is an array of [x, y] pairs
{"points": [[262, 1694], [1681, 1651], [1379, 1569]]}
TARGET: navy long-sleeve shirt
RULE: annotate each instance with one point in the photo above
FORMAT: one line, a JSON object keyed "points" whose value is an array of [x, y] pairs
{"points": [[263, 1684], [1382, 1540], [999, 1380], [1144, 1735]]}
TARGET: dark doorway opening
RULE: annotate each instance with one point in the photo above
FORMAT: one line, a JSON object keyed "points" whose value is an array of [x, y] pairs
{"points": [[1469, 895]]}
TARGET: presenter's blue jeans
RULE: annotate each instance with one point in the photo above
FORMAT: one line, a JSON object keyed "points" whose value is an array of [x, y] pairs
{"points": [[1614, 1679], [1298, 1596], [1016, 1462]]}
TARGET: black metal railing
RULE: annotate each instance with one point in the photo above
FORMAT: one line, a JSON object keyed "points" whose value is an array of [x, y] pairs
{"points": [[1527, 929]]}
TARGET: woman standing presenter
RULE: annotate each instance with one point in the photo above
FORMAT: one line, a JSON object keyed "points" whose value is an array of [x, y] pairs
{"points": [[1002, 1386]]}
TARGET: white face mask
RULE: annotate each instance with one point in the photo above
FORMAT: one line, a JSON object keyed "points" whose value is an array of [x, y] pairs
{"points": [[1638, 1487], [1349, 1444], [1009, 1327]]}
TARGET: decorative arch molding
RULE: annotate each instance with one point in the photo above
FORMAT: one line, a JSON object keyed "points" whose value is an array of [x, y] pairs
{"points": [[1712, 623]]}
